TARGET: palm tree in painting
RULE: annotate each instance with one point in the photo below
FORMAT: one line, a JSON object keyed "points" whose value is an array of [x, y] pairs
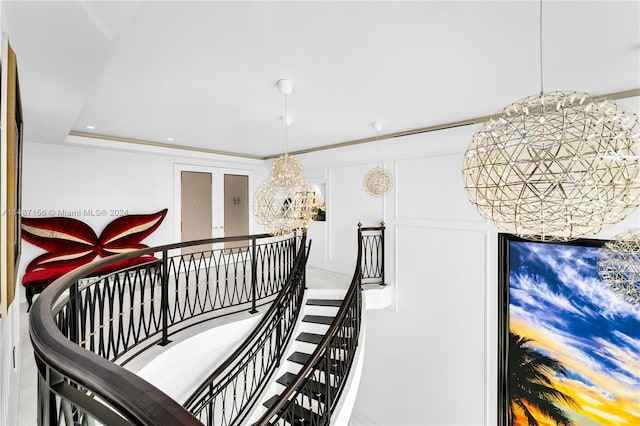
{"points": [[530, 384]]}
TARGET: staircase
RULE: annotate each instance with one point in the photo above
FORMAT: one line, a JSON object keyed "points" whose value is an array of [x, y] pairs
{"points": [[318, 313]]}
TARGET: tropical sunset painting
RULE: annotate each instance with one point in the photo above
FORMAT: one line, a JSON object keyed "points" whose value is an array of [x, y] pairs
{"points": [[574, 345]]}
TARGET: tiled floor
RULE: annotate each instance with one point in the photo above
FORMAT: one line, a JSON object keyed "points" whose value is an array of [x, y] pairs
{"points": [[316, 278]]}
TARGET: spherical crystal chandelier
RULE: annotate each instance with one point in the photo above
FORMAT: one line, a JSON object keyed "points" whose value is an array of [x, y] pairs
{"points": [[555, 166], [284, 209], [285, 203], [377, 181], [286, 170], [619, 265]]}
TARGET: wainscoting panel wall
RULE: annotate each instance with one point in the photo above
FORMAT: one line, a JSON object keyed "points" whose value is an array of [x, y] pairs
{"points": [[430, 355], [425, 364], [431, 188], [348, 205]]}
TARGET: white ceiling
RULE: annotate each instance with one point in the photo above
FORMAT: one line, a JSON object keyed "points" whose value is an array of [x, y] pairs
{"points": [[204, 73]]}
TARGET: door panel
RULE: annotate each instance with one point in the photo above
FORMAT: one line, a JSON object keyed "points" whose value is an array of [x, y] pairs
{"points": [[196, 208], [236, 207]]}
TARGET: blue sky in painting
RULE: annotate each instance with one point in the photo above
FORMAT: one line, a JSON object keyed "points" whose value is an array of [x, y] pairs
{"points": [[556, 289]]}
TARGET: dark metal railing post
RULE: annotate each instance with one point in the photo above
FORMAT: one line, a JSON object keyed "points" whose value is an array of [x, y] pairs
{"points": [[382, 252], [327, 378], [164, 298], [280, 319], [360, 242], [303, 246], [73, 313], [254, 276]]}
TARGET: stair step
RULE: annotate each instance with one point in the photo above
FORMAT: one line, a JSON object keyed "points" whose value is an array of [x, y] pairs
{"points": [[299, 358], [303, 417], [302, 358], [318, 319], [312, 389], [325, 302], [310, 338]]}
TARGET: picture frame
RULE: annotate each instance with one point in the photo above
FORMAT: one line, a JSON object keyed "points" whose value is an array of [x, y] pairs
{"points": [[567, 344], [11, 147]]}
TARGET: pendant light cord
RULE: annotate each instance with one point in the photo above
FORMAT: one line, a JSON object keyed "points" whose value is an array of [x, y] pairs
{"points": [[540, 33], [285, 120]]}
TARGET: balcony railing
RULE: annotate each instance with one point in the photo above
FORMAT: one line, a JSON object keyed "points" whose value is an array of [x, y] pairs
{"points": [[372, 263], [81, 329], [84, 329]]}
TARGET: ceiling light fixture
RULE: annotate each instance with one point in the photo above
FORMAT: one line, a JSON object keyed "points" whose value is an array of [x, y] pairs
{"points": [[619, 265], [91, 127], [286, 169], [285, 203], [542, 167], [377, 181]]}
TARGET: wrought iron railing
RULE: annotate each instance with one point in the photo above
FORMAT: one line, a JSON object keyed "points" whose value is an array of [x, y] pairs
{"points": [[312, 397], [229, 393], [81, 328], [372, 263]]}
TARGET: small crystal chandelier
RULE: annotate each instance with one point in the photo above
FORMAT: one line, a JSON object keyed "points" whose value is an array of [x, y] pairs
{"points": [[284, 209], [285, 203], [555, 166], [286, 169], [619, 265], [377, 181]]}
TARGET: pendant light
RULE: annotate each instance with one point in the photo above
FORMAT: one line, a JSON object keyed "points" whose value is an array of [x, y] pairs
{"points": [[619, 265], [555, 166], [286, 169], [285, 203], [377, 181]]}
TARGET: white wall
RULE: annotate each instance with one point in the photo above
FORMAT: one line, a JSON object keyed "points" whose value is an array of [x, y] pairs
{"points": [[429, 357], [10, 364], [89, 174]]}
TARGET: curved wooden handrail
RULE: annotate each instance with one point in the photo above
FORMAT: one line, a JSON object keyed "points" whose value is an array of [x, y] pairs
{"points": [[133, 397]]}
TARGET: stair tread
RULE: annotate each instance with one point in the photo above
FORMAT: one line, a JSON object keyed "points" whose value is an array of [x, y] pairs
{"points": [[299, 357], [310, 338], [269, 402], [312, 388], [318, 319], [302, 358], [301, 414], [325, 302]]}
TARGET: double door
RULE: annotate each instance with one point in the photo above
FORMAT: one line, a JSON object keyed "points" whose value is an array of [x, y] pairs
{"points": [[214, 203]]}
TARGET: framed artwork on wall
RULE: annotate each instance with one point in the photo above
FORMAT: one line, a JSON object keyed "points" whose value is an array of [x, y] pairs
{"points": [[568, 346], [10, 177]]}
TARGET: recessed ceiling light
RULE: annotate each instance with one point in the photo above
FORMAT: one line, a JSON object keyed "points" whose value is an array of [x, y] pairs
{"points": [[91, 127], [170, 139]]}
